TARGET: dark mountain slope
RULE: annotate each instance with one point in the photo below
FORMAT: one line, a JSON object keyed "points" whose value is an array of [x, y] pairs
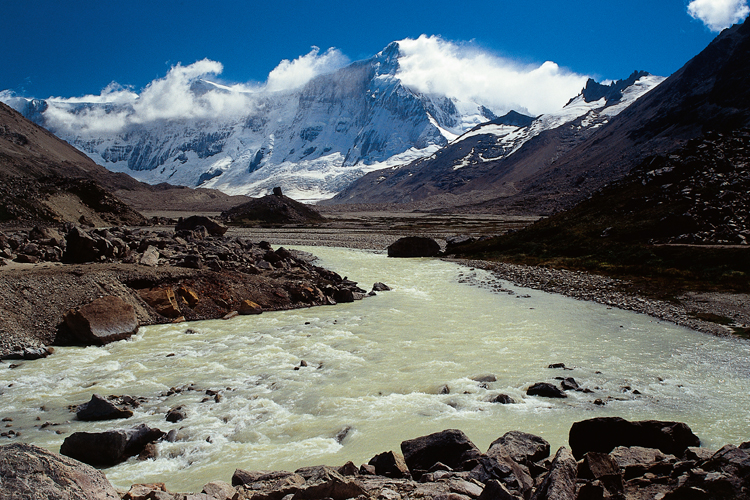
{"points": [[43, 178]]}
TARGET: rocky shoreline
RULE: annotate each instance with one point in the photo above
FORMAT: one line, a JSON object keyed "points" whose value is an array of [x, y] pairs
{"points": [[581, 285], [607, 457]]}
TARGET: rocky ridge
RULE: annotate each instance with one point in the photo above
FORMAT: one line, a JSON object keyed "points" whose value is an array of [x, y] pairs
{"points": [[165, 276], [640, 460]]}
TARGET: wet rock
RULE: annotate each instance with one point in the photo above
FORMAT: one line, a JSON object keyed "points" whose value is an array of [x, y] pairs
{"points": [[569, 384], [503, 399], [390, 464], [176, 414], [380, 287], [545, 390], [603, 434], [487, 377], [102, 321], [191, 223], [28, 471], [414, 246], [521, 447], [109, 447], [560, 481], [29, 353], [99, 408], [451, 447]]}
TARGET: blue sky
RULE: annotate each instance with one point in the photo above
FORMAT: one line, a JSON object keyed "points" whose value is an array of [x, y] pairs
{"points": [[54, 48]]}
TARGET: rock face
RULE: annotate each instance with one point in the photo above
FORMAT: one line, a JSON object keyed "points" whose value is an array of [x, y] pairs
{"points": [[450, 447], [110, 447], [213, 227], [30, 472], [104, 320], [604, 434], [414, 246], [101, 409]]}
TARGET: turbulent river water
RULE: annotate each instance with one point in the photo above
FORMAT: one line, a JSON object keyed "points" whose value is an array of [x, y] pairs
{"points": [[375, 372]]}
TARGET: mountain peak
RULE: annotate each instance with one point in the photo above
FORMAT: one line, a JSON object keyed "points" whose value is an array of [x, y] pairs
{"points": [[612, 92], [387, 59]]}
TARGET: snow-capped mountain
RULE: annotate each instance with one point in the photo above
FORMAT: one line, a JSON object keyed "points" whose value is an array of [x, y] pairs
{"points": [[313, 141], [491, 159]]}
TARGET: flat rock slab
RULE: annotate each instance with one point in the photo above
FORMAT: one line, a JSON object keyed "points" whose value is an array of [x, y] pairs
{"points": [[28, 471], [102, 321]]}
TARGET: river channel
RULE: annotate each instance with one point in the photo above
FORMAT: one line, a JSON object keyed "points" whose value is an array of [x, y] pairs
{"points": [[376, 374]]}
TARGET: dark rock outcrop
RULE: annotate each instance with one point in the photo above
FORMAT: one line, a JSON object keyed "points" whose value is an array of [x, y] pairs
{"points": [[414, 246], [109, 447], [545, 390], [102, 321], [604, 434], [31, 472], [390, 464], [213, 227], [99, 408], [450, 447], [272, 209]]}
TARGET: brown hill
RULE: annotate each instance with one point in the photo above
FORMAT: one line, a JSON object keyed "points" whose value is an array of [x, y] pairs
{"points": [[45, 179], [272, 209]]}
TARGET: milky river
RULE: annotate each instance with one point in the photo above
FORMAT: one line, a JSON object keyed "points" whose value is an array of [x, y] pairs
{"points": [[376, 372]]}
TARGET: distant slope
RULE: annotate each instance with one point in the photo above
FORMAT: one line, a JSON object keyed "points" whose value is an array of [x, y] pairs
{"points": [[494, 158], [44, 178]]}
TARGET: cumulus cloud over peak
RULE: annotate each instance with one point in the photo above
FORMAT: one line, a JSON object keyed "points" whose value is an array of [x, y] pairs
{"points": [[431, 64], [293, 74], [718, 14]]}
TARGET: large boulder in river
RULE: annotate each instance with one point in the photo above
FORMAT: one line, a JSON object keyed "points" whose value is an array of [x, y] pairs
{"points": [[109, 447], [604, 434], [450, 447], [28, 471], [106, 319], [414, 246], [214, 228], [99, 408], [545, 390]]}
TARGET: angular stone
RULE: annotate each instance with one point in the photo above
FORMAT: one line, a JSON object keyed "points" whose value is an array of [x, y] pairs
{"points": [[414, 246], [450, 447], [150, 257], [104, 320], [163, 301], [603, 434], [390, 464], [545, 390], [189, 295], [521, 447], [31, 472], [109, 447], [214, 228], [249, 307], [99, 408], [560, 481], [219, 490]]}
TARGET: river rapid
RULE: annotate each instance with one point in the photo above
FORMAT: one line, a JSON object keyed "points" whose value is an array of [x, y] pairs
{"points": [[376, 375]]}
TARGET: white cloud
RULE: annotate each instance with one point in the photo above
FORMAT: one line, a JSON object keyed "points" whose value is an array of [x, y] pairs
{"points": [[294, 74], [718, 14], [175, 97], [433, 65]]}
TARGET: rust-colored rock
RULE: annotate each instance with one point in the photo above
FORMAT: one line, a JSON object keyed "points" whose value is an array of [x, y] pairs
{"points": [[106, 319], [189, 295], [249, 307], [163, 301]]}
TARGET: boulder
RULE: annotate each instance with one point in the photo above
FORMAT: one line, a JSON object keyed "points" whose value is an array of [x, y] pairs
{"points": [[214, 228], [503, 399], [163, 301], [150, 257], [494, 490], [450, 447], [603, 434], [27, 471], [390, 464], [414, 246], [380, 287], [80, 247], [219, 490], [545, 390], [106, 319], [560, 481], [249, 307], [521, 447], [109, 447], [176, 414], [99, 408]]}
